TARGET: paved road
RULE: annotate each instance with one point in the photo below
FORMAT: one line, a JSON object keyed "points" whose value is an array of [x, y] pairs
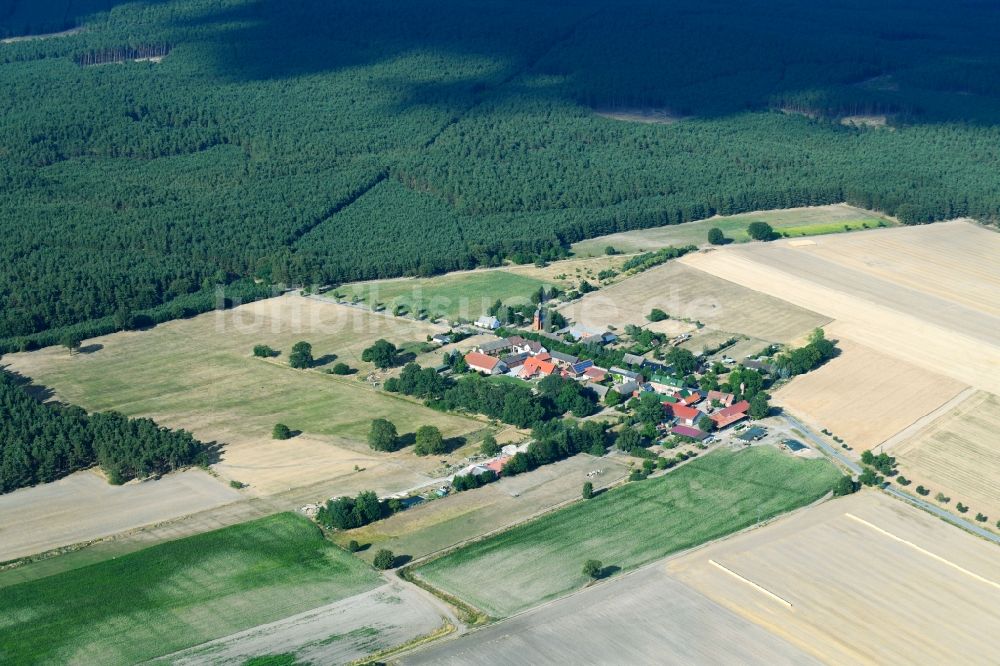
{"points": [[895, 492], [944, 515], [826, 448]]}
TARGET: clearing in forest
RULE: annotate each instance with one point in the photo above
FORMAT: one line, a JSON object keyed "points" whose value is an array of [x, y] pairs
{"points": [[469, 294], [628, 526], [454, 296], [811, 221], [640, 115], [177, 594], [199, 374], [864, 396], [933, 588], [686, 293], [959, 454]]}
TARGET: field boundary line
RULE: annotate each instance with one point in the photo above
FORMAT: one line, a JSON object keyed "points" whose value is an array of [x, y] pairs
{"points": [[660, 562], [924, 551], [927, 420], [759, 588]]}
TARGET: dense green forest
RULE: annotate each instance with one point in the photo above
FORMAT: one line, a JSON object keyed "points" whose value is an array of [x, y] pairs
{"points": [[41, 443], [318, 141]]}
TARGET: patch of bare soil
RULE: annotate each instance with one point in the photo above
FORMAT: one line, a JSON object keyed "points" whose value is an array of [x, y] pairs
{"points": [[638, 115]]}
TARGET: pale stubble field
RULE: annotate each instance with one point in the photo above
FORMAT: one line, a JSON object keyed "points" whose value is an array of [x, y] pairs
{"points": [[865, 579]]}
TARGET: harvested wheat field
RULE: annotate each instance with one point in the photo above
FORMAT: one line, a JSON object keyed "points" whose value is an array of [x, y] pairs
{"points": [[965, 272], [933, 328], [865, 396], [199, 374], [863, 579], [338, 633], [648, 617], [84, 506], [686, 293], [959, 454]]}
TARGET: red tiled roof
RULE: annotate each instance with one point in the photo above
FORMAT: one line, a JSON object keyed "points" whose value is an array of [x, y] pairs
{"points": [[740, 407], [689, 399], [477, 360], [537, 365], [683, 411], [721, 421], [688, 431], [596, 373], [497, 465]]}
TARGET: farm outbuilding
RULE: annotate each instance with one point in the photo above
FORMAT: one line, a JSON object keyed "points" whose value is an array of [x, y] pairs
{"points": [[753, 434]]}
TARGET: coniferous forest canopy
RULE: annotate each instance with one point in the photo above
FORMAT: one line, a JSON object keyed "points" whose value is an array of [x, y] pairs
{"points": [[41, 443], [318, 141]]}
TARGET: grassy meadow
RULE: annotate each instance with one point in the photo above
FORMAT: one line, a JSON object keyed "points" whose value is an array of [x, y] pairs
{"points": [[199, 373], [628, 526], [177, 594], [795, 222], [457, 296]]}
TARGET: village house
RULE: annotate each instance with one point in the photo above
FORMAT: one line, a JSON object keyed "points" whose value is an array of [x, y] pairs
{"points": [[496, 465], [724, 399], [599, 389], [515, 360], [687, 398], [595, 374], [487, 365], [488, 322], [634, 360], [626, 389], [579, 368], [441, 338], [623, 375], [686, 416], [536, 366], [564, 359], [759, 366], [589, 336], [655, 367], [511, 450], [729, 415], [666, 384], [605, 338], [495, 347], [521, 346]]}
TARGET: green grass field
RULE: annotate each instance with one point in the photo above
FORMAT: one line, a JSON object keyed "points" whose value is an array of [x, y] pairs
{"points": [[177, 594], [793, 222], [629, 526], [456, 296]]}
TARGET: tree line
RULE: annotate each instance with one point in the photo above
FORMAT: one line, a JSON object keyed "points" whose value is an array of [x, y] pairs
{"points": [[41, 443], [510, 403]]}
